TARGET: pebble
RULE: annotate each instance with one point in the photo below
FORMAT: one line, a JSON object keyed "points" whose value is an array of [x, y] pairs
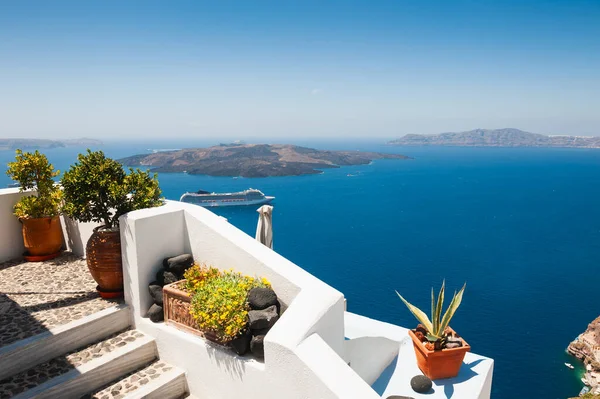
{"points": [[421, 384]]}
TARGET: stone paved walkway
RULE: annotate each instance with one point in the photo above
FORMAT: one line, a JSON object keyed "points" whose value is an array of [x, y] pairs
{"points": [[38, 296], [45, 371], [131, 382]]}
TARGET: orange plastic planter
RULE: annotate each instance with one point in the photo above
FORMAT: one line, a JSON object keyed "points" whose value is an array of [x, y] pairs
{"points": [[42, 237], [439, 364]]}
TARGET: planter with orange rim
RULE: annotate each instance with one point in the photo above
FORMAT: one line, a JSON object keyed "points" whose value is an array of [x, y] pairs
{"points": [[439, 364], [42, 238]]}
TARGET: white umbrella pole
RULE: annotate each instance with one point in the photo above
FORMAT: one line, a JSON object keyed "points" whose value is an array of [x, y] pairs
{"points": [[264, 229]]}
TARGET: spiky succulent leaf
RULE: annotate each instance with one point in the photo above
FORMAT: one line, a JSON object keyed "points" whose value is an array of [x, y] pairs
{"points": [[418, 313], [433, 309], [438, 311], [454, 304], [432, 338]]}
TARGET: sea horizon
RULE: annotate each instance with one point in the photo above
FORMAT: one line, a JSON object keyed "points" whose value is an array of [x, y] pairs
{"points": [[507, 221]]}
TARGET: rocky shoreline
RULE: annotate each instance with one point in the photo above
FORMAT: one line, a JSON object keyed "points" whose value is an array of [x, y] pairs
{"points": [[586, 347]]}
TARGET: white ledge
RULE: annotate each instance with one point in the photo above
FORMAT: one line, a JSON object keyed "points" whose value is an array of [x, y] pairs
{"points": [[473, 381]]}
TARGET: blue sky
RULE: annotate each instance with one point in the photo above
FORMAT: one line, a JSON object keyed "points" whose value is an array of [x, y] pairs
{"points": [[276, 69]]}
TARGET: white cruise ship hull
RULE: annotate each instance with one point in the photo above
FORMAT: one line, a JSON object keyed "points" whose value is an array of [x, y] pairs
{"points": [[246, 197], [212, 203]]}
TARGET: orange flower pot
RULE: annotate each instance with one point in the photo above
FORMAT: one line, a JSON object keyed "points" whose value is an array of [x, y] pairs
{"points": [[42, 237], [439, 364]]}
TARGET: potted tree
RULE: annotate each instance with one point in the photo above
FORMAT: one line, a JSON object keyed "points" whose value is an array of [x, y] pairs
{"points": [[97, 189], [38, 212], [439, 350]]}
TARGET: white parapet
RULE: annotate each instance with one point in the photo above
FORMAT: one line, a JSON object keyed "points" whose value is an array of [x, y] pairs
{"points": [[11, 237], [75, 234], [370, 343], [307, 353]]}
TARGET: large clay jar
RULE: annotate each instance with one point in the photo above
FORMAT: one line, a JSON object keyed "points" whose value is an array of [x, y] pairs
{"points": [[103, 251], [42, 238]]}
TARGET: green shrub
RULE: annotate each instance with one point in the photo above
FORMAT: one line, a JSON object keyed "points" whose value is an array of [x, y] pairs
{"points": [[97, 189], [219, 302], [196, 276], [33, 171]]}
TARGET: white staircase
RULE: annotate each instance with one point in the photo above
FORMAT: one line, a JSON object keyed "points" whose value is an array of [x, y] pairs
{"points": [[95, 357]]}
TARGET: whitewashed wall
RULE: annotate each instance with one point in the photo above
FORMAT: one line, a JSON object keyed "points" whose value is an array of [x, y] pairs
{"points": [[304, 351], [306, 354], [75, 235], [11, 236]]}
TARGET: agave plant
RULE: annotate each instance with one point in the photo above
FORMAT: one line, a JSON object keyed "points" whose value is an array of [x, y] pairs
{"points": [[438, 323]]}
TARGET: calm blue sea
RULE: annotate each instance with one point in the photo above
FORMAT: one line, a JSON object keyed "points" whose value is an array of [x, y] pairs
{"points": [[520, 226]]}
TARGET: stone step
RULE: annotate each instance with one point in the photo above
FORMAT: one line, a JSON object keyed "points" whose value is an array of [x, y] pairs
{"points": [[27, 353], [83, 370], [157, 380]]}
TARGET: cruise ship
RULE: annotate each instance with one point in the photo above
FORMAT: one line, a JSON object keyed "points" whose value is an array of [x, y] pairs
{"points": [[246, 197]]}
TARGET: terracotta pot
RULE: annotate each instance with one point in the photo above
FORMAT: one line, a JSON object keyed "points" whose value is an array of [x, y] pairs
{"points": [[42, 237], [439, 364], [103, 251]]}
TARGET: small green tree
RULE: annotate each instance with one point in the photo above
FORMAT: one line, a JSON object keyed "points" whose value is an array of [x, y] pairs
{"points": [[97, 189], [34, 172]]}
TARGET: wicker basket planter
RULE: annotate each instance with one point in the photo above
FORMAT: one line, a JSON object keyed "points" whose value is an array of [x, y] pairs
{"points": [[177, 304]]}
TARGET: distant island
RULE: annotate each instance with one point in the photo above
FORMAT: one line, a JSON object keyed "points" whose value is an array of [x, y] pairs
{"points": [[40, 144], [252, 160], [498, 138]]}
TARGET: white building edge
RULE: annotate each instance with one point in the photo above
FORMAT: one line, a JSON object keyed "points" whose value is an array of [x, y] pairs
{"points": [[316, 349]]}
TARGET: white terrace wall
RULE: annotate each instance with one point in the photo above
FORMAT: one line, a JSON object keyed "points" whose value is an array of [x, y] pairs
{"points": [[11, 237], [304, 351], [75, 235]]}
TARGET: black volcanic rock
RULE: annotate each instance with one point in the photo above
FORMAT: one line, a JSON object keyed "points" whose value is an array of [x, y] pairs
{"points": [[164, 277], [241, 344], [253, 160], [261, 298], [156, 292], [262, 319], [178, 264], [156, 313], [257, 346]]}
